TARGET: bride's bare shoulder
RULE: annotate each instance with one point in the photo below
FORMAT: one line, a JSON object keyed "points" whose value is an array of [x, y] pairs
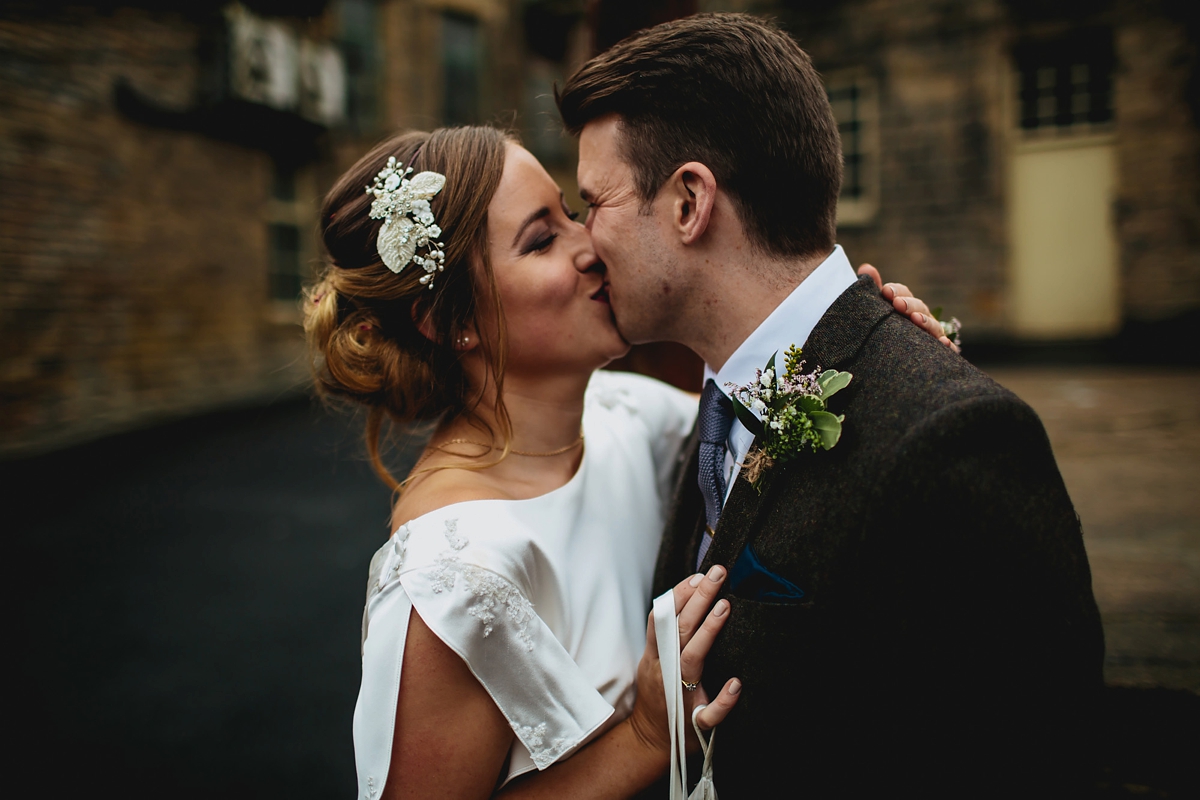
{"points": [[433, 490]]}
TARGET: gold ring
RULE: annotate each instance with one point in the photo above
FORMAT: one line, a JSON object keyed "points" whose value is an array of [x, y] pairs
{"points": [[691, 687]]}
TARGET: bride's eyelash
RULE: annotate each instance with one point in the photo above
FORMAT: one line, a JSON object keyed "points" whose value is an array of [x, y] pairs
{"points": [[542, 244]]}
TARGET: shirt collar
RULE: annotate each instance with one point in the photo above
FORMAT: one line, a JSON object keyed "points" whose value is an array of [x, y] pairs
{"points": [[790, 323]]}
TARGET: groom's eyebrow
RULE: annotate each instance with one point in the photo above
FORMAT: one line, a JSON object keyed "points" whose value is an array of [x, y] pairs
{"points": [[532, 218]]}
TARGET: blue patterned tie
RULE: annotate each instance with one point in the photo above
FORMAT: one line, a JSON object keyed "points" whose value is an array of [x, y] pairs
{"points": [[716, 418]]}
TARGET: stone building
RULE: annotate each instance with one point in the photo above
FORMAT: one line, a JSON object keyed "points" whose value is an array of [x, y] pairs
{"points": [[1033, 167], [160, 169]]}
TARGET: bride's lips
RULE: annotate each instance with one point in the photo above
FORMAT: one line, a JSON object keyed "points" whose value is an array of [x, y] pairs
{"points": [[601, 294]]}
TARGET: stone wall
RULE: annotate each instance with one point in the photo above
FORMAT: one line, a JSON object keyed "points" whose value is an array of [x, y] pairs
{"points": [[1158, 142], [943, 71], [134, 258]]}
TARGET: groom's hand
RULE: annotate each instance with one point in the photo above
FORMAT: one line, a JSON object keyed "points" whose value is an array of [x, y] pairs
{"points": [[903, 300]]}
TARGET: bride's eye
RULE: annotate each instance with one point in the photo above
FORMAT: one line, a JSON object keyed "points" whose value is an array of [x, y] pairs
{"points": [[542, 243]]}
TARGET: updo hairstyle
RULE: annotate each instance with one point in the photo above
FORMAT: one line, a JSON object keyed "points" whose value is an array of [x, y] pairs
{"points": [[364, 344]]}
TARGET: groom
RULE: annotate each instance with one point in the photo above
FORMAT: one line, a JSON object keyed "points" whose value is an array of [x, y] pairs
{"points": [[912, 609]]}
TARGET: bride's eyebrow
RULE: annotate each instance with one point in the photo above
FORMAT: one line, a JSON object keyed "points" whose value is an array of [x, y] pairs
{"points": [[544, 211]]}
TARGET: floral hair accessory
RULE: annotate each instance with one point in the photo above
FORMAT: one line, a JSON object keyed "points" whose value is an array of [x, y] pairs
{"points": [[408, 224], [787, 412]]}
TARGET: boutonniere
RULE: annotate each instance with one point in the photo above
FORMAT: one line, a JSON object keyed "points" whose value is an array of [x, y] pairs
{"points": [[787, 412]]}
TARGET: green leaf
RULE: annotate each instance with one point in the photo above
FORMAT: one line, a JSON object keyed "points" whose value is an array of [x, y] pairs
{"points": [[833, 382], [936, 313], [828, 426], [746, 417], [808, 404], [771, 362]]}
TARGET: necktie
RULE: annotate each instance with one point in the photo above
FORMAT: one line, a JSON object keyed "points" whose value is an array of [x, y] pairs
{"points": [[716, 418]]}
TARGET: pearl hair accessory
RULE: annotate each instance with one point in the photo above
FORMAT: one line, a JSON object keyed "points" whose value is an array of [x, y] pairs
{"points": [[408, 224]]}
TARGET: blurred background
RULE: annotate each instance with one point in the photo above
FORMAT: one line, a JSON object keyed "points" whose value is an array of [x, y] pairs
{"points": [[191, 532]]}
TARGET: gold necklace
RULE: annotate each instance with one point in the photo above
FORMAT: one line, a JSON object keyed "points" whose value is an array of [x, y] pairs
{"points": [[491, 448]]}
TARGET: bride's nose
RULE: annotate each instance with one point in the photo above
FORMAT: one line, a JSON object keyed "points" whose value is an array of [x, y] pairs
{"points": [[586, 259]]}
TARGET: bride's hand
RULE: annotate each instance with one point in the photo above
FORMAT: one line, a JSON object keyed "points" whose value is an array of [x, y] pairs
{"points": [[698, 627], [914, 308]]}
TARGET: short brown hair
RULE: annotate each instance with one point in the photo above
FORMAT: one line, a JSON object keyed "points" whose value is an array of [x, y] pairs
{"points": [[736, 94], [359, 316]]}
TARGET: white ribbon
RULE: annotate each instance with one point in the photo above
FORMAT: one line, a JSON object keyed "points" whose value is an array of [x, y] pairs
{"points": [[666, 632]]}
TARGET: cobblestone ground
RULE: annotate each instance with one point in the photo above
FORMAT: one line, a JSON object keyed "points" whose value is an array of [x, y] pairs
{"points": [[1128, 445]]}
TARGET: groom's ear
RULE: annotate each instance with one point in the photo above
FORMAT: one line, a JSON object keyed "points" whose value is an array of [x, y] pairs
{"points": [[692, 191]]}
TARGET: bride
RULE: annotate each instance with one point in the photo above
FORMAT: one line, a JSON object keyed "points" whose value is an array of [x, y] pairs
{"points": [[505, 626]]}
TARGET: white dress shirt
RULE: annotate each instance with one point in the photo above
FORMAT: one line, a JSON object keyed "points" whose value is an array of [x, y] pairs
{"points": [[790, 323]]}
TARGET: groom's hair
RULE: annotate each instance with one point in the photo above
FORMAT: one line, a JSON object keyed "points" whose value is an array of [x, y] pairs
{"points": [[736, 94]]}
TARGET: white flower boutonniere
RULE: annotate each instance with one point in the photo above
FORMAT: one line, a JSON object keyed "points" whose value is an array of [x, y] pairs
{"points": [[787, 412]]}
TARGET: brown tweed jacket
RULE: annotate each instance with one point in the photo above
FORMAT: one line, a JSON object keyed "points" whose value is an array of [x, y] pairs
{"points": [[948, 640]]}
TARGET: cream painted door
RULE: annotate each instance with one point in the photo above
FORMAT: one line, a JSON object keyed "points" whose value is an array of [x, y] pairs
{"points": [[1065, 279]]}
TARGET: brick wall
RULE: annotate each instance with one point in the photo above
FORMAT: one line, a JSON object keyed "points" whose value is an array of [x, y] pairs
{"points": [[134, 258]]}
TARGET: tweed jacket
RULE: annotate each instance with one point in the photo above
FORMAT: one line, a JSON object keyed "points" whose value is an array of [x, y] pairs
{"points": [[948, 638]]}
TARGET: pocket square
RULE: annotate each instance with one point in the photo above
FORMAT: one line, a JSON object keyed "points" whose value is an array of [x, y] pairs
{"points": [[750, 580]]}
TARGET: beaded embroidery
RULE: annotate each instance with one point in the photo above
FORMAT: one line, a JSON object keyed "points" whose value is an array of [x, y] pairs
{"points": [[534, 740], [490, 590]]}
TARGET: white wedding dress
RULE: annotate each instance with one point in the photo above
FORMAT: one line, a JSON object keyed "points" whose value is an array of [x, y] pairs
{"points": [[545, 599]]}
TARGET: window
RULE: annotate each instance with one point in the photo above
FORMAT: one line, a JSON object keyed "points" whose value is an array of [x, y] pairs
{"points": [[854, 98], [1065, 85], [460, 69], [289, 212], [359, 23]]}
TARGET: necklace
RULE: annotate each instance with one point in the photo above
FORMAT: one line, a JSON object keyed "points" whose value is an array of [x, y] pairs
{"points": [[491, 448]]}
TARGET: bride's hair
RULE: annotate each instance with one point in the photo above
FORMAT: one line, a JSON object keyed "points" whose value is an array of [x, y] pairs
{"points": [[361, 318]]}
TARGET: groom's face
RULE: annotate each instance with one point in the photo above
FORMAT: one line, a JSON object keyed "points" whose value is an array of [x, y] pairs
{"points": [[627, 236]]}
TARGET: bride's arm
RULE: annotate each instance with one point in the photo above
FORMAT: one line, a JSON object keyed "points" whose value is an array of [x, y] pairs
{"points": [[451, 739]]}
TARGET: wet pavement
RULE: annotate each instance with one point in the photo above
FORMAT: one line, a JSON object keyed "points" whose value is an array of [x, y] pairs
{"points": [[1128, 446], [191, 595]]}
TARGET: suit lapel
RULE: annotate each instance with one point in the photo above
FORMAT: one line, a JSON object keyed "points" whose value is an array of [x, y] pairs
{"points": [[737, 521], [681, 537], [837, 337]]}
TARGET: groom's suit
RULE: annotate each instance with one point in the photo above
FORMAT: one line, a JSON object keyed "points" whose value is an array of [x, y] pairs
{"points": [[947, 635]]}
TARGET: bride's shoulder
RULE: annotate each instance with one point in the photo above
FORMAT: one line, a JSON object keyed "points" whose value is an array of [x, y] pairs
{"points": [[434, 491]]}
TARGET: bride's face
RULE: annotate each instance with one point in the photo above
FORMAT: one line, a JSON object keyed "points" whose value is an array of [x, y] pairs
{"points": [[551, 283]]}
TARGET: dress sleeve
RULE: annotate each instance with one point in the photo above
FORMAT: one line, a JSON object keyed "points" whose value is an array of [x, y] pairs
{"points": [[472, 597]]}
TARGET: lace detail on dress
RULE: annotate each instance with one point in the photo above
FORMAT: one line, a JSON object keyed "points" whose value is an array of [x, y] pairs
{"points": [[534, 740], [610, 396], [491, 592], [457, 541], [372, 792], [400, 547]]}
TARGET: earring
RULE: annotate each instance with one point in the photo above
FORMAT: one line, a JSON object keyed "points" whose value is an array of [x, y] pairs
{"points": [[463, 340]]}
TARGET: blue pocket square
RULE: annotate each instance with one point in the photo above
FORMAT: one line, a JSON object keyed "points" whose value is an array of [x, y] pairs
{"points": [[750, 580]]}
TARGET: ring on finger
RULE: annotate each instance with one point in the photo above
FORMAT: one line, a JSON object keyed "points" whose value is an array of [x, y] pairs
{"points": [[691, 687]]}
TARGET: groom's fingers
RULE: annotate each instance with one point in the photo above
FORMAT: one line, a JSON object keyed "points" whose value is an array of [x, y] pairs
{"points": [[697, 606], [715, 712], [691, 658]]}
